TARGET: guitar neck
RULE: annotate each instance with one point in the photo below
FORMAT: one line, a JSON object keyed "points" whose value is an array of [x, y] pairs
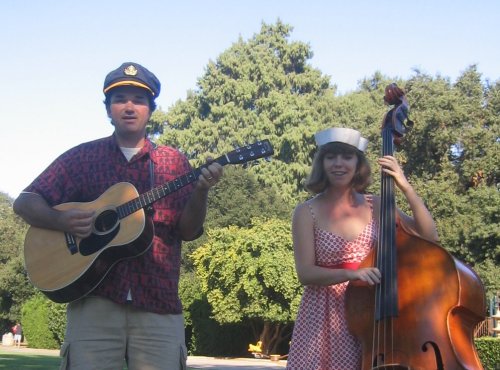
{"points": [[162, 191]]}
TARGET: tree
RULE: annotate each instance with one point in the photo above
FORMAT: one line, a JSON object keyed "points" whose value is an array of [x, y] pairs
{"points": [[235, 201], [239, 197], [15, 287], [248, 274], [265, 88], [453, 157], [262, 88]]}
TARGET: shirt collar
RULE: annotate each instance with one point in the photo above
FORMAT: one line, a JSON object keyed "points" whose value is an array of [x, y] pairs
{"points": [[148, 148]]}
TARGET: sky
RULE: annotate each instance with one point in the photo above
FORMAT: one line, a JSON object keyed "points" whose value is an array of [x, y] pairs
{"points": [[54, 55]]}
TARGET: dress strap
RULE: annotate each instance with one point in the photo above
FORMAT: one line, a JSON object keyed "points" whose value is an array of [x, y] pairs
{"points": [[312, 212], [369, 200]]}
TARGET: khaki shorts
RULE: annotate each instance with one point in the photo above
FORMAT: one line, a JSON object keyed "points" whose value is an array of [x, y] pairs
{"points": [[103, 335]]}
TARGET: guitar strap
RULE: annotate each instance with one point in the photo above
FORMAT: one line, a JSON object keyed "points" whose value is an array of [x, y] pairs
{"points": [[150, 209]]}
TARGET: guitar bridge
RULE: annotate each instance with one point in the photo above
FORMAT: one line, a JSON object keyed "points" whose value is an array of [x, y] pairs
{"points": [[71, 243]]}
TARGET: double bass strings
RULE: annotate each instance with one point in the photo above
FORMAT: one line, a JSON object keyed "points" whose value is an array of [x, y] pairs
{"points": [[386, 297]]}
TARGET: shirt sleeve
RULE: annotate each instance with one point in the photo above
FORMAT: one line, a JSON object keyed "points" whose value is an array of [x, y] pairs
{"points": [[172, 164], [55, 184]]}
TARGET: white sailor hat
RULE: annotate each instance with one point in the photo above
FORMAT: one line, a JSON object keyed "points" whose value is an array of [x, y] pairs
{"points": [[341, 135]]}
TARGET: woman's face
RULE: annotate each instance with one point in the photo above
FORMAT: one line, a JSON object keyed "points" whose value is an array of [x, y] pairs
{"points": [[340, 168]]}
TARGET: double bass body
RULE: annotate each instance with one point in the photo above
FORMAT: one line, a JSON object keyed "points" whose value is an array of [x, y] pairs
{"points": [[440, 301]]}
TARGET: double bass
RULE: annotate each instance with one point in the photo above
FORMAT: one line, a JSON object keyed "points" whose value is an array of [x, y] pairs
{"points": [[423, 313]]}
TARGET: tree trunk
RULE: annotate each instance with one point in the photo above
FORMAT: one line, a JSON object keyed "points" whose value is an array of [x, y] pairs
{"points": [[272, 335]]}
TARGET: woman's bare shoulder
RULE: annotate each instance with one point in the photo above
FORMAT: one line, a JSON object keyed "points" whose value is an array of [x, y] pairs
{"points": [[303, 210]]}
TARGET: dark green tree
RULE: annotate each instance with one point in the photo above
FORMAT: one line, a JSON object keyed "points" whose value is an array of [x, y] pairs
{"points": [[248, 275], [453, 157], [262, 88], [234, 201], [15, 287]]}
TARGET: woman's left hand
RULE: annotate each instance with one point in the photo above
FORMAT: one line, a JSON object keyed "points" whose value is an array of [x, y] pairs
{"points": [[391, 167]]}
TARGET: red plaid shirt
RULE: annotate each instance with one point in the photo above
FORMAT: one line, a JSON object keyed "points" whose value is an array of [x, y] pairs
{"points": [[86, 171]]}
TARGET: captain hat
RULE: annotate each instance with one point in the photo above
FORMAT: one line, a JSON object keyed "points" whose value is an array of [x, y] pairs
{"points": [[341, 135], [132, 74]]}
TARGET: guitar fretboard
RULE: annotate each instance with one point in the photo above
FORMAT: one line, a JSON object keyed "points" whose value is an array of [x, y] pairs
{"points": [[162, 191]]}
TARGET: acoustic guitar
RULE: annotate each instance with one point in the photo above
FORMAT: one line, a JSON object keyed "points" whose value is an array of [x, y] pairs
{"points": [[66, 268]]}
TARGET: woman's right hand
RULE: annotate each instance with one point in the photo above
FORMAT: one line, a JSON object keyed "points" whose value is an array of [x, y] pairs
{"points": [[370, 275]]}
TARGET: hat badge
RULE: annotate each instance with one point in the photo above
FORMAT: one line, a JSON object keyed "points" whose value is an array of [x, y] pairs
{"points": [[130, 71]]}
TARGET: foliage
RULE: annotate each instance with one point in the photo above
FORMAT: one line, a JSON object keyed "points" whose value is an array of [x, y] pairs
{"points": [[14, 285], [213, 338], [35, 321], [265, 87], [189, 292], [257, 89], [228, 205], [452, 156], [57, 322], [11, 230], [489, 272], [236, 199], [204, 335], [248, 274], [488, 349], [239, 197]]}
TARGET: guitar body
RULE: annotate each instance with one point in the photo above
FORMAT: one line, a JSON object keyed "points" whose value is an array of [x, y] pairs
{"points": [[64, 274], [66, 268]]}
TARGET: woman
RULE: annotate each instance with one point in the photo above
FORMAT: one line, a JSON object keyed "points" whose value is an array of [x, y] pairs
{"points": [[332, 233]]}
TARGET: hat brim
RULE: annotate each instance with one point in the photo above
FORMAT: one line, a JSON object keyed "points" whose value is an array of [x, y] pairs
{"points": [[128, 83]]}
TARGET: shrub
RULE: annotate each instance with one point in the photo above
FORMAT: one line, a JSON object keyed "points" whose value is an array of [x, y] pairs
{"points": [[211, 338], [488, 349], [42, 323], [57, 322]]}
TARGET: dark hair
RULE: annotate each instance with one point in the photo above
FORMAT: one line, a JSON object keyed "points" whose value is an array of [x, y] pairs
{"points": [[151, 101], [317, 181]]}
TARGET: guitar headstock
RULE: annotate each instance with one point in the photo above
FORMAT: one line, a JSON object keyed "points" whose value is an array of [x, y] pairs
{"points": [[250, 152]]}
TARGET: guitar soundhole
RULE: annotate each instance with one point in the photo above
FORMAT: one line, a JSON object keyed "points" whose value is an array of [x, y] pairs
{"points": [[106, 221], [106, 227]]}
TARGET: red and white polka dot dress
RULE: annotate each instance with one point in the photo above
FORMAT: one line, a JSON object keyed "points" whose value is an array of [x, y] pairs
{"points": [[320, 338]]}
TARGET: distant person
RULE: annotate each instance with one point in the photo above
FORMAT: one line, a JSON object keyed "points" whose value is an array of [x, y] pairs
{"points": [[332, 233], [18, 334], [135, 312]]}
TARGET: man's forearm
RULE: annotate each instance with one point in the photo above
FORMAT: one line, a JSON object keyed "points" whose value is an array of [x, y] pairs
{"points": [[194, 214]]}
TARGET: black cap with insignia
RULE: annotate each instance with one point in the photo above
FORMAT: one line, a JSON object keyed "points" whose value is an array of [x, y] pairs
{"points": [[132, 74]]}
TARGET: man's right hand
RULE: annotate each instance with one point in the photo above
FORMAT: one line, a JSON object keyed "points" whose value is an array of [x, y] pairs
{"points": [[77, 222]]}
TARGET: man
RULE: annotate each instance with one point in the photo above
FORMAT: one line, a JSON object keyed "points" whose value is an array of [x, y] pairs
{"points": [[135, 313]]}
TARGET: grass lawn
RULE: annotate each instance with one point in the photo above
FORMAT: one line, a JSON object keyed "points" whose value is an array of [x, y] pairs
{"points": [[14, 361]]}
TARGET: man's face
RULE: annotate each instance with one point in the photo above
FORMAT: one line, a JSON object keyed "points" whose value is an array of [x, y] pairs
{"points": [[129, 110]]}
